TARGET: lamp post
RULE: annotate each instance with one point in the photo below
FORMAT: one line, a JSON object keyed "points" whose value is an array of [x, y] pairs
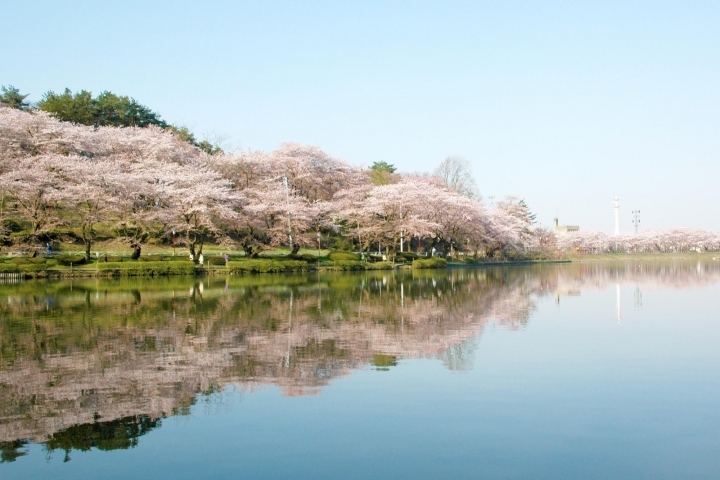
{"points": [[318, 235], [173, 241]]}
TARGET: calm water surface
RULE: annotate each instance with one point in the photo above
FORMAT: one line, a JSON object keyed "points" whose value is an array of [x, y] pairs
{"points": [[568, 371]]}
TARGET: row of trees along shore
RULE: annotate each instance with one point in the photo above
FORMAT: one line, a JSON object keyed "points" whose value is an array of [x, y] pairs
{"points": [[63, 180], [66, 180]]}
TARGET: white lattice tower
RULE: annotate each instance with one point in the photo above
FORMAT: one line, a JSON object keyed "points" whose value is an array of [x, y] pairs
{"points": [[616, 207]]}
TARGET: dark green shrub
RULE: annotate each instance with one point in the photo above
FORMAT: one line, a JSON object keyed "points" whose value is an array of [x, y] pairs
{"points": [[30, 267], [407, 255], [217, 261], [18, 268], [132, 269], [512, 254], [305, 257], [339, 256], [9, 268], [340, 243], [433, 262], [61, 233], [19, 261], [262, 265], [158, 258], [37, 260], [75, 260], [12, 226], [349, 265], [175, 258], [380, 266]]}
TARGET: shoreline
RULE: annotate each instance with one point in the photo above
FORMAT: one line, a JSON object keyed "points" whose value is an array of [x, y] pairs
{"points": [[278, 265], [509, 263], [643, 257]]}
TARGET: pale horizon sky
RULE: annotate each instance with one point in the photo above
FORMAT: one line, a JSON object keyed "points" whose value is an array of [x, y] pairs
{"points": [[564, 104]]}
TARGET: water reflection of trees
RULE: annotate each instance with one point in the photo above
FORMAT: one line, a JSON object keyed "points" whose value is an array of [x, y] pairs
{"points": [[665, 274], [73, 353], [122, 433]]}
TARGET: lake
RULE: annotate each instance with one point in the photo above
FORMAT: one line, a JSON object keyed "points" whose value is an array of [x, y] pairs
{"points": [[556, 371]]}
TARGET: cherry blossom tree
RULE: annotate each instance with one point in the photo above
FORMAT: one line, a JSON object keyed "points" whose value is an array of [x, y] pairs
{"points": [[384, 214], [311, 172], [34, 189], [283, 216], [86, 193], [195, 200]]}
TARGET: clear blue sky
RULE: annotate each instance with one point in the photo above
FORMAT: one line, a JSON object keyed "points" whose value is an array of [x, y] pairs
{"points": [[566, 104]]}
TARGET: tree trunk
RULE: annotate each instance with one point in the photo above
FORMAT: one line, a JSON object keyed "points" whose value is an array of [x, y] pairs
{"points": [[136, 251], [295, 249]]}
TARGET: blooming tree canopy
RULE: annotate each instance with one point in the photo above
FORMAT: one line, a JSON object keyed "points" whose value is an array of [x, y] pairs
{"points": [[59, 178]]}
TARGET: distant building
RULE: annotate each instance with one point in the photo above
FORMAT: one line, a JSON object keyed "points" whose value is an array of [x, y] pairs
{"points": [[563, 229]]}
